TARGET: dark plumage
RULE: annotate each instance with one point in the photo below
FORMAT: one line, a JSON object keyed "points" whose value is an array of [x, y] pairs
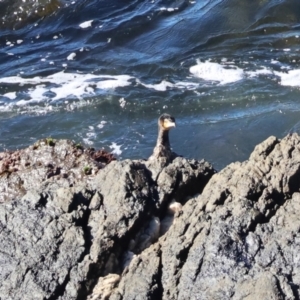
{"points": [[163, 148]]}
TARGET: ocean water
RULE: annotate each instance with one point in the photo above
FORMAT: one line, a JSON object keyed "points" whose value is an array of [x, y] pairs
{"points": [[101, 73]]}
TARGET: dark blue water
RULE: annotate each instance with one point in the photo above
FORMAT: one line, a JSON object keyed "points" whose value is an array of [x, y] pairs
{"points": [[101, 72]]}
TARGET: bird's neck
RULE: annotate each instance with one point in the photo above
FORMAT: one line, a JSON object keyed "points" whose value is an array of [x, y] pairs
{"points": [[163, 138]]}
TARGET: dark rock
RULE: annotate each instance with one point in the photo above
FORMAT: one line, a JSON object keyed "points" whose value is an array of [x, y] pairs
{"points": [[239, 239], [142, 279], [182, 179], [101, 156], [63, 235], [141, 230], [40, 244]]}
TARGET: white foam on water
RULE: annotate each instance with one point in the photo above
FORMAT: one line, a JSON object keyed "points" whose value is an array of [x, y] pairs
{"points": [[219, 73], [20, 80], [91, 135], [187, 85], [216, 72], [101, 125], [116, 149], [67, 84], [87, 141], [122, 102], [169, 9], [86, 24], [71, 56], [70, 86], [291, 78], [11, 95], [273, 61], [263, 71], [37, 93], [159, 86], [113, 82], [164, 85], [23, 102]]}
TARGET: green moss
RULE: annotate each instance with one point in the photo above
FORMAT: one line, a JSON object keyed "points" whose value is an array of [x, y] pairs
{"points": [[78, 146], [87, 170], [50, 141]]}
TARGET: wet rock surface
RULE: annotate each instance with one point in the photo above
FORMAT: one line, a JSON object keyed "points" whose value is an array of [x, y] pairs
{"points": [[140, 230], [15, 14]]}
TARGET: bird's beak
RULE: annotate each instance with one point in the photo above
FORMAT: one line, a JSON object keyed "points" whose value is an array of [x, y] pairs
{"points": [[169, 124]]}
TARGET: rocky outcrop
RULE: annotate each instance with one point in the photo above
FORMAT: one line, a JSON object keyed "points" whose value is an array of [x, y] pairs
{"points": [[140, 230], [48, 160], [67, 231], [239, 239]]}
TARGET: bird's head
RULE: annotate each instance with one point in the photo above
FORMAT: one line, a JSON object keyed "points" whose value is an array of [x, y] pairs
{"points": [[166, 122]]}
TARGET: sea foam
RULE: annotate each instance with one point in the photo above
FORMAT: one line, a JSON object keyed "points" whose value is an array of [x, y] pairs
{"points": [[212, 71], [65, 86], [290, 78]]}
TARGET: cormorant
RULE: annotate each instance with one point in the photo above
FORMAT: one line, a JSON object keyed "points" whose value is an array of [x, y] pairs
{"points": [[163, 148]]}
